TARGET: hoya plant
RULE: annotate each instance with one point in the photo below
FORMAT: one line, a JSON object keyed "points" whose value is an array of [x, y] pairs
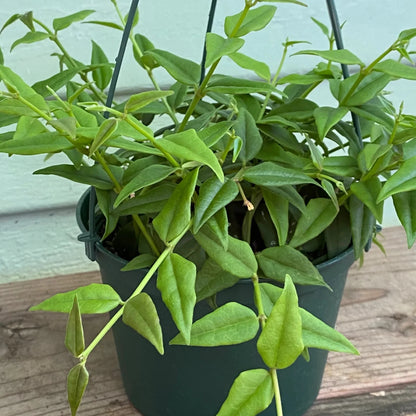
{"points": [[217, 179]]}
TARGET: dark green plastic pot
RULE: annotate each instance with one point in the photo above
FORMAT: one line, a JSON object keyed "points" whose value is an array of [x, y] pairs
{"points": [[194, 381]]}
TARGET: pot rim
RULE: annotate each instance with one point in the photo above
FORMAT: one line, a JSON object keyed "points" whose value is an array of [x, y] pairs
{"points": [[100, 247]]}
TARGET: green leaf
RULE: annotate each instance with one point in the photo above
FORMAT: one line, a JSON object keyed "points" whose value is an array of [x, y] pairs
{"points": [[271, 174], [284, 1], [101, 75], [104, 133], [50, 142], [61, 23], [15, 83], [138, 101], [56, 81], [246, 62], [301, 79], [217, 47], [245, 128], [407, 34], [396, 69], [140, 314], [188, 146], [217, 228], [280, 342], [405, 205], [89, 175], [183, 70], [238, 260], [327, 117], [402, 181], [277, 262], [251, 393], [342, 56], [105, 24], [74, 338], [30, 37], [297, 110], [278, 208], [269, 295], [255, 19], [213, 195], [341, 166], [224, 84], [105, 199], [77, 382], [367, 192], [148, 176], [362, 225], [319, 214], [212, 134], [317, 334], [11, 20], [230, 324], [147, 202], [316, 154], [94, 298], [142, 261], [211, 279], [175, 215], [176, 282], [1, 57]]}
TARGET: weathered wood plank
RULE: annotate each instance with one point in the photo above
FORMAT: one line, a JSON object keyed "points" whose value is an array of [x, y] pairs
{"points": [[378, 315]]}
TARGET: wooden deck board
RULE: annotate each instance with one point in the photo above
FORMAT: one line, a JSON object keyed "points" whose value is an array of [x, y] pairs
{"points": [[378, 314]]}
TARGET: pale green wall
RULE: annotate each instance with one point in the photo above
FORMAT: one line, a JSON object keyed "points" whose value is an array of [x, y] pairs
{"points": [[31, 205]]}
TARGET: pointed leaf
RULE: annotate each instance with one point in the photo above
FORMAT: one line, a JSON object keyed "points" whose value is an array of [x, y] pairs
{"points": [[48, 142], [148, 176], [138, 101], [217, 47], [230, 324], [402, 181], [61, 23], [238, 260], [77, 382], [277, 262], [89, 175], [94, 298], [255, 19], [271, 174], [183, 70], [213, 195], [176, 282], [396, 69], [140, 313], [228, 85], [176, 213], [362, 225], [105, 199], [211, 279], [188, 146], [212, 134], [317, 334], [101, 75], [74, 338], [245, 128], [342, 56], [142, 261], [367, 192], [30, 37], [280, 342], [405, 205], [104, 133], [246, 62], [327, 117], [251, 393], [319, 213]]}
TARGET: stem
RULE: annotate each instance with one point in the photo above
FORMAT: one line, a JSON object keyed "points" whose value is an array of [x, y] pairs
{"points": [[274, 83], [139, 52], [279, 410], [135, 217], [258, 301], [364, 72], [200, 91], [83, 357], [310, 89]]}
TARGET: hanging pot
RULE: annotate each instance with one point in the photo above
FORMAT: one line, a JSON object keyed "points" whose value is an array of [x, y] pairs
{"points": [[190, 381]]}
